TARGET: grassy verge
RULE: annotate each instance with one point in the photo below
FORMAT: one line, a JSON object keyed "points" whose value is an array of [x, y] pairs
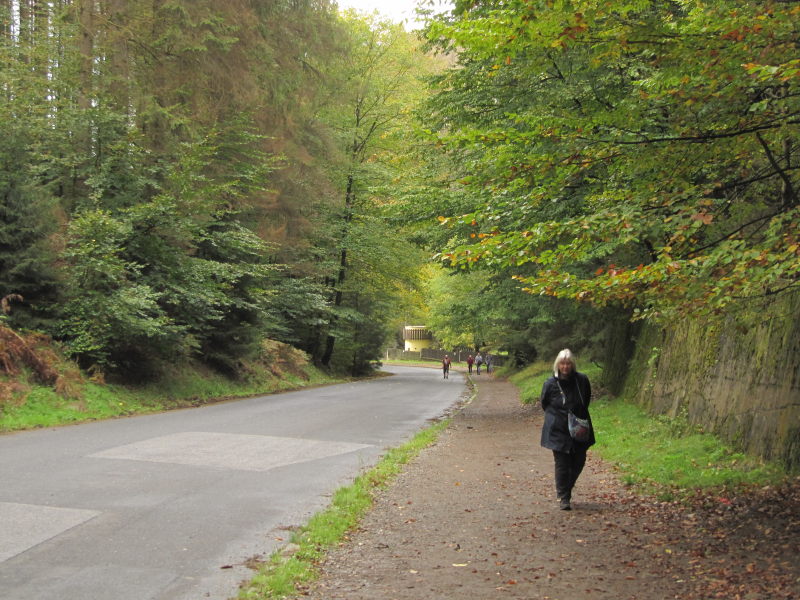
{"points": [[668, 457], [663, 456], [30, 406], [529, 380], [284, 574]]}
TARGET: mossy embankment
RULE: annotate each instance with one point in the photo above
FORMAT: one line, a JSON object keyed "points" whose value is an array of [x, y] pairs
{"points": [[39, 387]]}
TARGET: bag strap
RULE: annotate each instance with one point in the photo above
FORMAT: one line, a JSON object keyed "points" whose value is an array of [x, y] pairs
{"points": [[564, 396]]}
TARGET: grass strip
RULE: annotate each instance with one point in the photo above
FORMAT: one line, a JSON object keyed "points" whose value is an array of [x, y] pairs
{"points": [[283, 574], [668, 457], [529, 380]]}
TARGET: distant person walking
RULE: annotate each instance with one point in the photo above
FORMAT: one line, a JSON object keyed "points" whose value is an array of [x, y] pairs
{"points": [[488, 362], [567, 391], [446, 366], [470, 361], [478, 362]]}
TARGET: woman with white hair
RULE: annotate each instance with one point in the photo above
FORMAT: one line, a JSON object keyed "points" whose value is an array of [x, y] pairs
{"points": [[567, 391]]}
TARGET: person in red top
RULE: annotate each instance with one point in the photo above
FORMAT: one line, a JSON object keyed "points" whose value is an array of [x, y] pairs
{"points": [[446, 366], [470, 361]]}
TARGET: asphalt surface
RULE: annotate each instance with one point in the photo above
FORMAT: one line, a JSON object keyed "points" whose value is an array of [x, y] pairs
{"points": [[171, 506]]}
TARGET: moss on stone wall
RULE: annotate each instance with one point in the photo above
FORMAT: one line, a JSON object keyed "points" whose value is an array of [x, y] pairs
{"points": [[644, 365], [739, 378]]}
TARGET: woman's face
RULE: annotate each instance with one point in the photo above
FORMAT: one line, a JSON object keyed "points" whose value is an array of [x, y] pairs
{"points": [[564, 367]]}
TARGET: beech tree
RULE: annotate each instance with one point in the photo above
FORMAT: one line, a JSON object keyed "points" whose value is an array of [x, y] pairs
{"points": [[372, 90], [635, 153]]}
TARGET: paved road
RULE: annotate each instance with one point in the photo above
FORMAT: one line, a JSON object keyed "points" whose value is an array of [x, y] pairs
{"points": [[153, 507]]}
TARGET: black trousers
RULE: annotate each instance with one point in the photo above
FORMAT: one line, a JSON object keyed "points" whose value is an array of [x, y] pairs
{"points": [[568, 467]]}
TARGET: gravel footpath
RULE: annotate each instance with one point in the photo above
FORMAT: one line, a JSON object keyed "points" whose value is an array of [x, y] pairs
{"points": [[475, 516]]}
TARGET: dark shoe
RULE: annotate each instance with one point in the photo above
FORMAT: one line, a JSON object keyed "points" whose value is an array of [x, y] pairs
{"points": [[564, 504]]}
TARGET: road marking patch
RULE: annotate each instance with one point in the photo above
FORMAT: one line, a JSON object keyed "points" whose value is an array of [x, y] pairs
{"points": [[228, 450], [23, 526]]}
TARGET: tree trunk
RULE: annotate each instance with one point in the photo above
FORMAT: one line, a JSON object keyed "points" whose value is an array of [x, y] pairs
{"points": [[24, 32], [330, 341], [86, 49], [119, 60]]}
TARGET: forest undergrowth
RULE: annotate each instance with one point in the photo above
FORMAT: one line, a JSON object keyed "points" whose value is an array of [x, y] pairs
{"points": [[41, 387]]}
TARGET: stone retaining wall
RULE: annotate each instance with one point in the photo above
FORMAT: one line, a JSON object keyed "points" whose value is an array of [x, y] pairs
{"points": [[739, 380]]}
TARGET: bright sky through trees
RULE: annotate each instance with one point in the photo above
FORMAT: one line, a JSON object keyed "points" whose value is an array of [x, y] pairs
{"points": [[396, 10]]}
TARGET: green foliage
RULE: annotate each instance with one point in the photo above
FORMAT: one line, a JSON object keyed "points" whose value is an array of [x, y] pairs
{"points": [[460, 310], [125, 156], [382, 269], [105, 308], [28, 217], [173, 179], [480, 309], [627, 153], [26, 254], [369, 266], [168, 277]]}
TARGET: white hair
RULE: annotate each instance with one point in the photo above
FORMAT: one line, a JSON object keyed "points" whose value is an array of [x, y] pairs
{"points": [[565, 354]]}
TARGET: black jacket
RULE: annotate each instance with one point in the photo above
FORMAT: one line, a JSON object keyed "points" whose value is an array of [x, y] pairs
{"points": [[577, 396]]}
